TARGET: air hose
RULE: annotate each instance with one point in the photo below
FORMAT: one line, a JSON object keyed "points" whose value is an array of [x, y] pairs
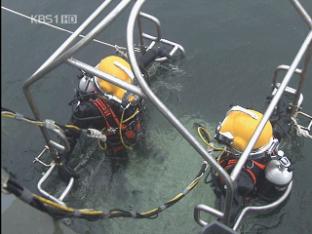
{"points": [[90, 132], [206, 138], [62, 211], [122, 121]]}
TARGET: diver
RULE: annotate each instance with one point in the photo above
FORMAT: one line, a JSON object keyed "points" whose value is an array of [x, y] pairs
{"points": [[114, 111], [267, 172]]}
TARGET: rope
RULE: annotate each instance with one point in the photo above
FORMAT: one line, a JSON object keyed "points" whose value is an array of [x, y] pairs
{"points": [[300, 130], [32, 19]]}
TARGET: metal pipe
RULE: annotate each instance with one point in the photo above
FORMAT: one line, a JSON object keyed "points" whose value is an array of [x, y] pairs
{"points": [[170, 117], [155, 21], [82, 42], [94, 71], [282, 68], [242, 160], [306, 62], [263, 208], [61, 134], [142, 47], [94, 32], [73, 36], [37, 159], [42, 180], [63, 195], [36, 76], [67, 189], [302, 12], [153, 38], [57, 58], [208, 209]]}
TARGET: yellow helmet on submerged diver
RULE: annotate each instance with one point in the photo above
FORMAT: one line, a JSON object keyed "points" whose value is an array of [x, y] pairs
{"points": [[119, 68], [238, 127]]}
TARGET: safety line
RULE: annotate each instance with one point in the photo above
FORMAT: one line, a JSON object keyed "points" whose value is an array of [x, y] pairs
{"points": [[32, 19]]}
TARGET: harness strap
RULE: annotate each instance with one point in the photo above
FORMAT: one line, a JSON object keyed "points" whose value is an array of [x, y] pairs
{"points": [[104, 111], [112, 119], [251, 174], [104, 105], [232, 162], [107, 112], [259, 165]]}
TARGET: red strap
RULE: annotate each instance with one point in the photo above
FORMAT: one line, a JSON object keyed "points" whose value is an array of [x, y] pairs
{"points": [[251, 174], [105, 105], [103, 110], [259, 165], [230, 163], [106, 110]]}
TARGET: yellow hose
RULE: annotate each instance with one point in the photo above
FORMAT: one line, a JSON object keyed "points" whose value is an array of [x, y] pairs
{"points": [[199, 129]]}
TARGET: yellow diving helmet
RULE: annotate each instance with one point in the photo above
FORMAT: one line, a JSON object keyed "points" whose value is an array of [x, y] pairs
{"points": [[238, 127], [120, 69]]}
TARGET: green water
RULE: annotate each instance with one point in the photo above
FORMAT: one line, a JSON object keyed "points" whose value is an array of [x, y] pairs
{"points": [[232, 50]]}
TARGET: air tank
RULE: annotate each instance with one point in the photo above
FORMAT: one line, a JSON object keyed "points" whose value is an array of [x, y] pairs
{"points": [[278, 171]]}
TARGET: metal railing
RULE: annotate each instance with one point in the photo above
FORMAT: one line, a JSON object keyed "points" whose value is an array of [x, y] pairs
{"points": [[291, 70], [170, 116], [63, 55], [66, 50]]}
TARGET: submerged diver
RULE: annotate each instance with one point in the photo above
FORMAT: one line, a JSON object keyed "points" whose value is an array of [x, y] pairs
{"points": [[267, 171], [103, 106]]}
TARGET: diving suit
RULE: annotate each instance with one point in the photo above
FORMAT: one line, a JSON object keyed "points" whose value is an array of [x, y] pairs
{"points": [[116, 112], [266, 173]]}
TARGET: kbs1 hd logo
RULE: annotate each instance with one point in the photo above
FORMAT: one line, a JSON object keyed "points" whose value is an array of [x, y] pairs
{"points": [[54, 19]]}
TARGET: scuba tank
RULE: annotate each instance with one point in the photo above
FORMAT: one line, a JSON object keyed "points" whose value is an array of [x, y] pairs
{"points": [[278, 174], [278, 171]]}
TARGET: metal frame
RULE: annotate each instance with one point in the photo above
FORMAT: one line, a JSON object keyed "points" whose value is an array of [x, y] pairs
{"points": [[156, 39], [45, 193], [39, 160], [271, 107], [280, 90], [64, 52], [63, 55], [166, 112], [264, 208], [56, 59], [224, 216], [282, 68]]}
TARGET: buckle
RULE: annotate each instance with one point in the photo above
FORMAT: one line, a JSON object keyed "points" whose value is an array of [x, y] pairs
{"points": [[249, 164]]}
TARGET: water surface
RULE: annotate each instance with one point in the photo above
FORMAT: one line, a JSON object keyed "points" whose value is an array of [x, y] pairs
{"points": [[232, 50]]}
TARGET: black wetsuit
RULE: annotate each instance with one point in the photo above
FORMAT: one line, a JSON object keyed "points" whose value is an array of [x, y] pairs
{"points": [[87, 115], [251, 183]]}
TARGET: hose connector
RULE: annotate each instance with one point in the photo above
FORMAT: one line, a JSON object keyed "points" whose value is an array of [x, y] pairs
{"points": [[94, 133]]}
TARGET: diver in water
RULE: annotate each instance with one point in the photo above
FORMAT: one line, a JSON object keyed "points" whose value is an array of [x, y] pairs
{"points": [[103, 106], [267, 171]]}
